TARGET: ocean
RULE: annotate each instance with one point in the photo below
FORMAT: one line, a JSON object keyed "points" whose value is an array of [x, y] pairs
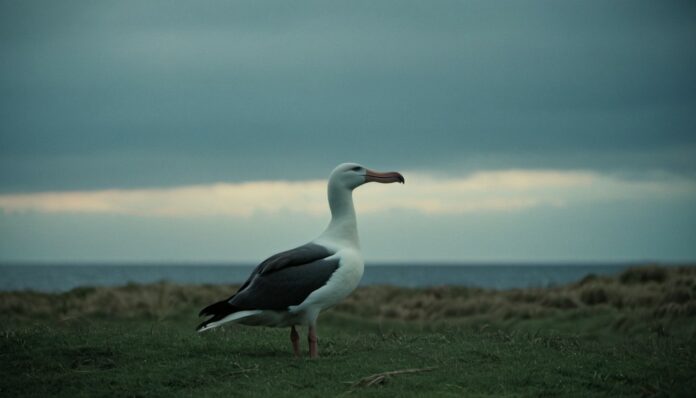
{"points": [[63, 277]]}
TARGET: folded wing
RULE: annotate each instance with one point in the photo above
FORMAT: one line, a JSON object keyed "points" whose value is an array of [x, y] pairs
{"points": [[281, 281]]}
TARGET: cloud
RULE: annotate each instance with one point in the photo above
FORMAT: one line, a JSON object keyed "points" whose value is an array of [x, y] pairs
{"points": [[134, 94], [488, 191]]}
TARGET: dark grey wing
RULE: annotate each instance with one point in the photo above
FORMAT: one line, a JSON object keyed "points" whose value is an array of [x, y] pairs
{"points": [[284, 287], [304, 254], [280, 281]]}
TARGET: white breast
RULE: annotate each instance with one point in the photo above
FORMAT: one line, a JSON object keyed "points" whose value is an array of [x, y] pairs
{"points": [[341, 284]]}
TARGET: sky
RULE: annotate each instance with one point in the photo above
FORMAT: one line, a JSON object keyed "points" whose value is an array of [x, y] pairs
{"points": [[177, 131]]}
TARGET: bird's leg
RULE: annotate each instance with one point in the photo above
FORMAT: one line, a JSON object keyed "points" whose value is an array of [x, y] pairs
{"points": [[295, 338], [312, 338]]}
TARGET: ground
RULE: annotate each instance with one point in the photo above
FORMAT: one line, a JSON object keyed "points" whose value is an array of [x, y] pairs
{"points": [[636, 338]]}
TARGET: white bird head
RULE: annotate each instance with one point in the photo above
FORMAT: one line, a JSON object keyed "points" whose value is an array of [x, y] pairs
{"points": [[353, 175]]}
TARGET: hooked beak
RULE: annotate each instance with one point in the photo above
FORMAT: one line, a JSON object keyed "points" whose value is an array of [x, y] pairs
{"points": [[384, 178]]}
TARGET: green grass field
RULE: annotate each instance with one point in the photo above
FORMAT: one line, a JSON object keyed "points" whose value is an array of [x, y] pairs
{"points": [[633, 335]]}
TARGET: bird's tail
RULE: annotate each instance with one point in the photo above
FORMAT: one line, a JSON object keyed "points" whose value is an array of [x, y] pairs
{"points": [[222, 312]]}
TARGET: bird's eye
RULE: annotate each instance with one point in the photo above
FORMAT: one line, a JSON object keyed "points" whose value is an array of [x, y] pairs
{"points": [[356, 168]]}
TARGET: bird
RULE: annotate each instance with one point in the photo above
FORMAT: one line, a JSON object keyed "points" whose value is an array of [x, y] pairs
{"points": [[291, 288]]}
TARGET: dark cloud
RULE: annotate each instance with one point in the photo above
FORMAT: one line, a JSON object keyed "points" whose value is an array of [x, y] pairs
{"points": [[137, 93]]}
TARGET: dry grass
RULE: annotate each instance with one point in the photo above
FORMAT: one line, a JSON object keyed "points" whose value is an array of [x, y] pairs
{"points": [[655, 291], [159, 300], [659, 291]]}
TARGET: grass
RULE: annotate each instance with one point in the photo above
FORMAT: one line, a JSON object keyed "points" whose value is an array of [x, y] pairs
{"points": [[633, 335]]}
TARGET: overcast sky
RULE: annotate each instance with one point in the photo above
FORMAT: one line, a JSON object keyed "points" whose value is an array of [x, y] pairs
{"points": [[532, 130]]}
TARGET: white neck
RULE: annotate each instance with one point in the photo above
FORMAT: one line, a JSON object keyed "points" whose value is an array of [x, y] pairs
{"points": [[343, 226]]}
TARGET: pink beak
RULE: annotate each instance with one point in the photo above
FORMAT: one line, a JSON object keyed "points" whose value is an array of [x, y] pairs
{"points": [[384, 178]]}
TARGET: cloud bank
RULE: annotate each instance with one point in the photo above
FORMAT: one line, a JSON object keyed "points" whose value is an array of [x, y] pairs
{"points": [[481, 192], [134, 94]]}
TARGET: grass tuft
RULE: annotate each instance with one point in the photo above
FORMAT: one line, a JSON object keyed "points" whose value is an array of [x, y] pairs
{"points": [[645, 274]]}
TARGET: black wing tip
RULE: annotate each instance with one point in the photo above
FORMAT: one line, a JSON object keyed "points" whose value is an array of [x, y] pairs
{"points": [[220, 307], [203, 324], [205, 311], [216, 311]]}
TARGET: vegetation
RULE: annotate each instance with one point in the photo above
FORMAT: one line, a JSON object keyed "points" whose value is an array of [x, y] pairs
{"points": [[629, 335]]}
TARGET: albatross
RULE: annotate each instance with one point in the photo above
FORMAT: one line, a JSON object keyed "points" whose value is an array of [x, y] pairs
{"points": [[291, 288]]}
